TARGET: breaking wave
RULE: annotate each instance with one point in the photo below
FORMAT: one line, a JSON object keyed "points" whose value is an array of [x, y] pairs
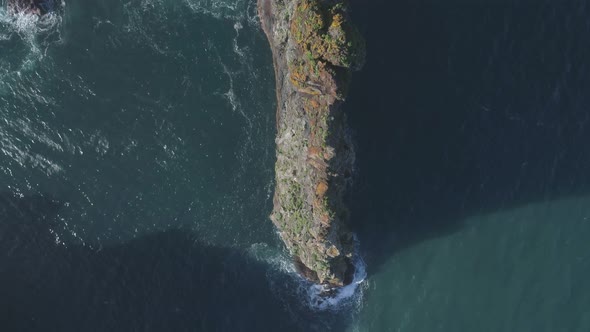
{"points": [[310, 295], [350, 296], [345, 297]]}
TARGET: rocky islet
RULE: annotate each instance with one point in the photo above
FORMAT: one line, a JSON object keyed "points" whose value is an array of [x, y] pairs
{"points": [[315, 49]]}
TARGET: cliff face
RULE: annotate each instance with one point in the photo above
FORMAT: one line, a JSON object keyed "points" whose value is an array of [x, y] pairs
{"points": [[315, 49]]}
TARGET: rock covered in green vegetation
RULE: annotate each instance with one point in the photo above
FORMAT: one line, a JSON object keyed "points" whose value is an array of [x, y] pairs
{"points": [[326, 40], [315, 49]]}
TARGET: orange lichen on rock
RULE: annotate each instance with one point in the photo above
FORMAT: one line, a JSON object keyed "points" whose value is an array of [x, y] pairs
{"points": [[321, 189], [326, 41], [314, 152]]}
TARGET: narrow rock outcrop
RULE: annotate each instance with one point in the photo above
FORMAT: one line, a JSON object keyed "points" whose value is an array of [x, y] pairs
{"points": [[315, 49]]}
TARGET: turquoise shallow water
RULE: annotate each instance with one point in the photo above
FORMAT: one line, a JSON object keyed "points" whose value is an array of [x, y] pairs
{"points": [[137, 165], [518, 270]]}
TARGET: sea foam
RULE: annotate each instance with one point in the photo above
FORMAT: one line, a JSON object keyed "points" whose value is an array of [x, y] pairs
{"points": [[320, 297], [310, 295]]}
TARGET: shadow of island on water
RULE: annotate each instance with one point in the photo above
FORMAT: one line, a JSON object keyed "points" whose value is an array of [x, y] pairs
{"points": [[161, 282], [464, 109]]}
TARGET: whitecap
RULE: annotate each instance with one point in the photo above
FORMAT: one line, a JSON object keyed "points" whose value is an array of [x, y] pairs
{"points": [[349, 295], [310, 295]]}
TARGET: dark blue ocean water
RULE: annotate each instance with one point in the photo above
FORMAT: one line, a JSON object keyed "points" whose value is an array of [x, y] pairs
{"points": [[137, 165]]}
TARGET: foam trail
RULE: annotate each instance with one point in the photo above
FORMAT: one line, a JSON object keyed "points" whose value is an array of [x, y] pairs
{"points": [[230, 95]]}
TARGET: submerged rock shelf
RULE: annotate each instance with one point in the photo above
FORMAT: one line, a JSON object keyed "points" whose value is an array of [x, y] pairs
{"points": [[315, 49]]}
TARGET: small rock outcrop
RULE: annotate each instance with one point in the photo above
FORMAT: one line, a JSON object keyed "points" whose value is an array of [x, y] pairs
{"points": [[315, 49]]}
